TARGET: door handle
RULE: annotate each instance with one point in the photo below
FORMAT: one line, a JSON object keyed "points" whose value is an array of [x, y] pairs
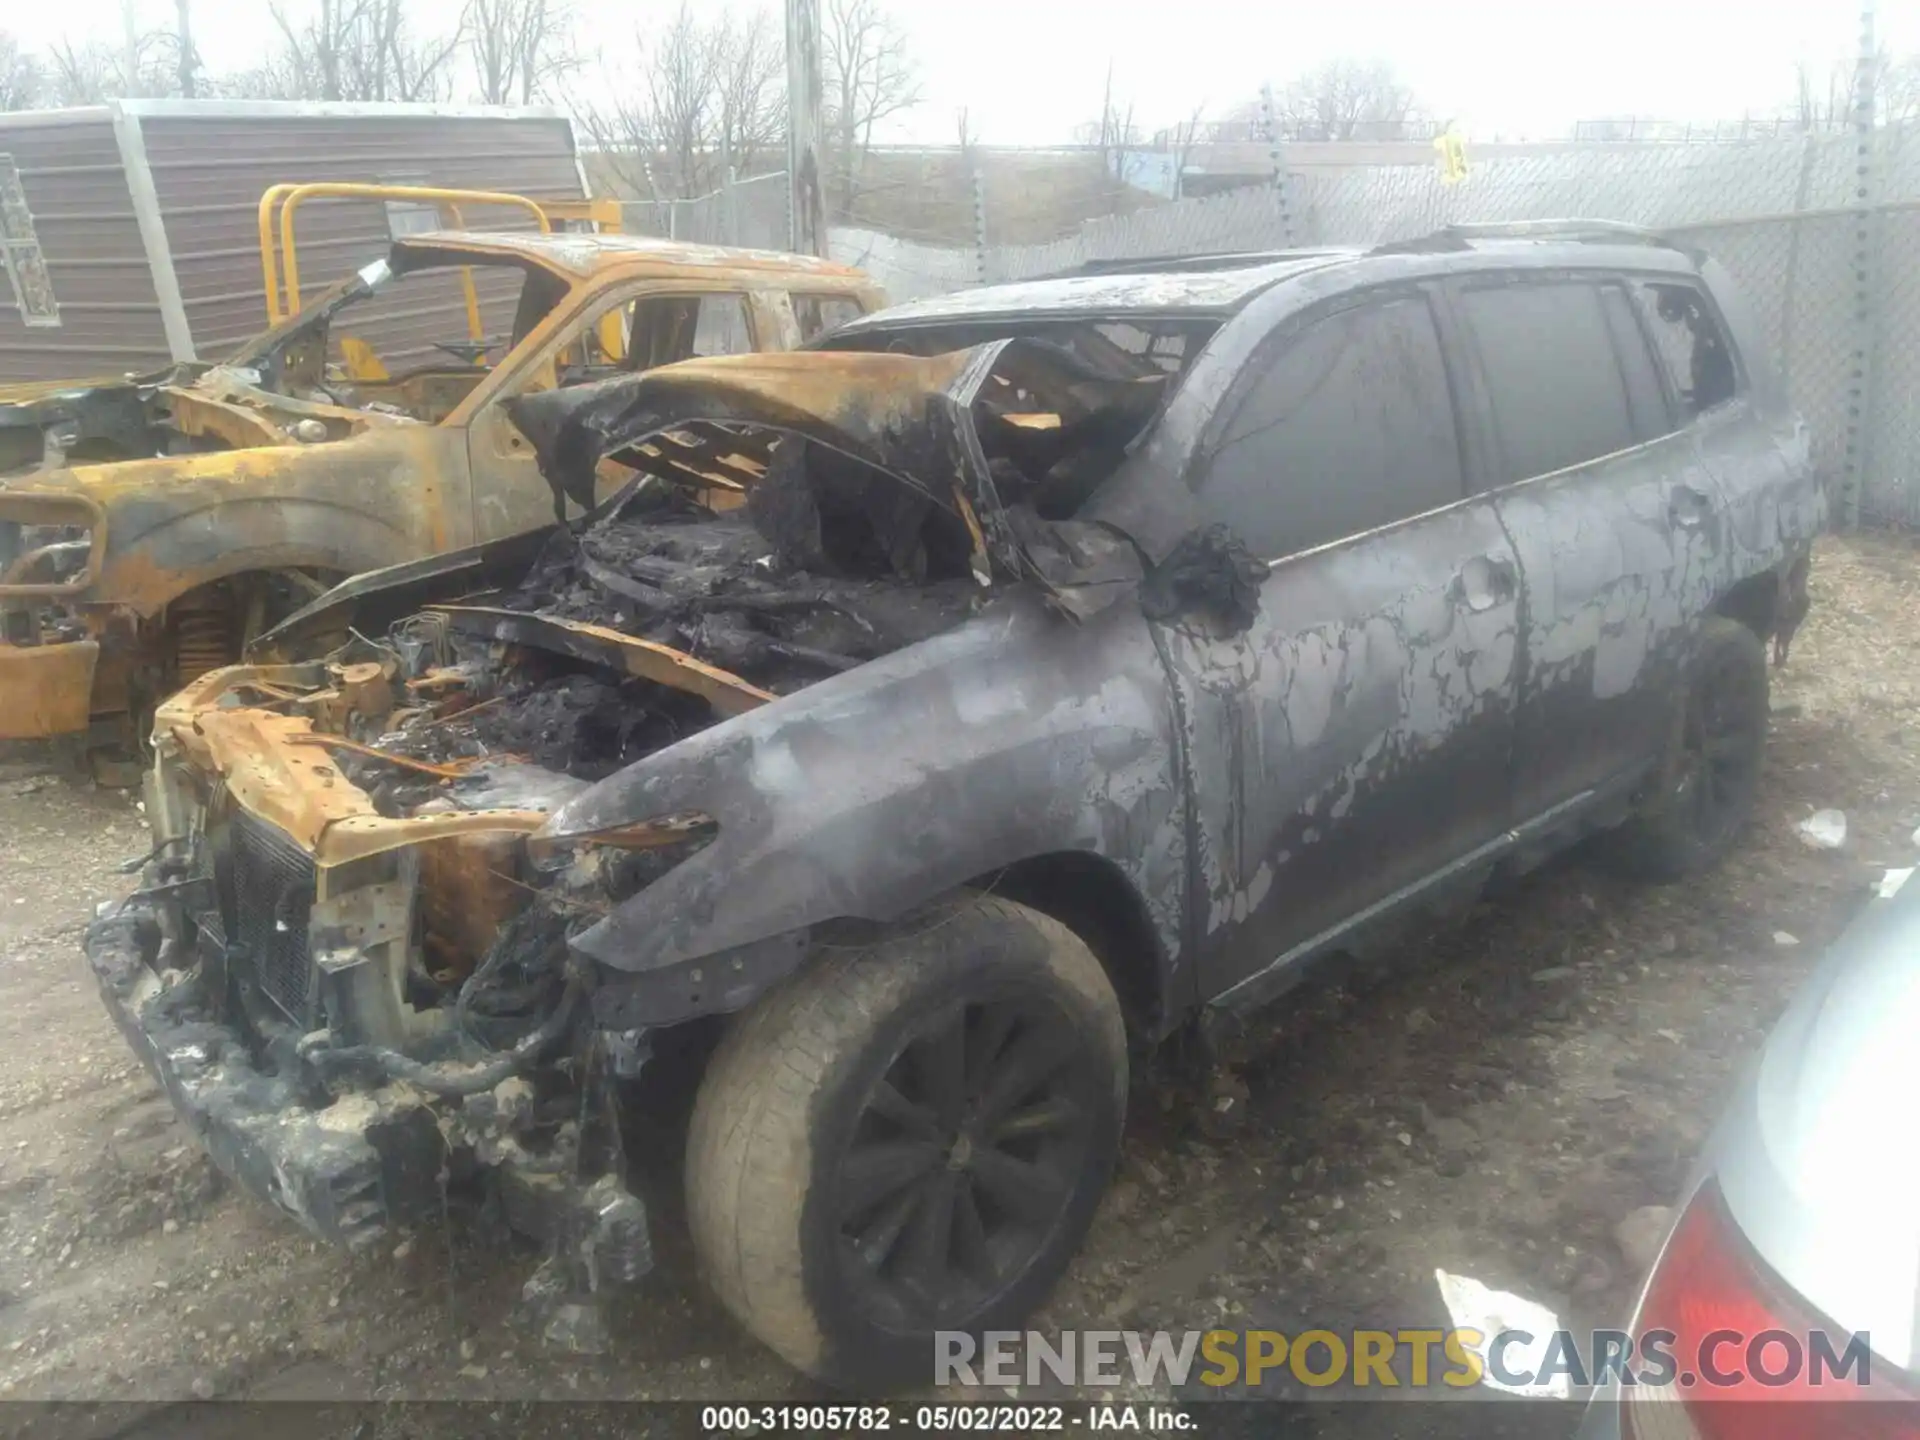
{"points": [[1484, 582], [1689, 508]]}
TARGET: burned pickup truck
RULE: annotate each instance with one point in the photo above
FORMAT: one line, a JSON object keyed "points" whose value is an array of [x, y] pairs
{"points": [[1087, 659], [305, 456]]}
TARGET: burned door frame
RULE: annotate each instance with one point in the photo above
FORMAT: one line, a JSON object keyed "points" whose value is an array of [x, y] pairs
{"points": [[501, 459], [1372, 697], [1622, 554]]}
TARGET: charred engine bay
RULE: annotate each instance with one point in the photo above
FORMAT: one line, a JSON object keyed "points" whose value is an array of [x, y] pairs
{"points": [[663, 569]]}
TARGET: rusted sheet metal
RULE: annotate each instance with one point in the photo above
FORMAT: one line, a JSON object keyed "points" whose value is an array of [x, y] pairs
{"points": [[662, 664], [579, 254], [200, 416], [298, 789], [56, 508], [227, 388], [467, 893], [169, 525], [45, 689]]}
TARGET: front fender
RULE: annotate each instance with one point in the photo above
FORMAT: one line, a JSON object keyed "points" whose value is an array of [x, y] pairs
{"points": [[1017, 734], [176, 523], [235, 535]]}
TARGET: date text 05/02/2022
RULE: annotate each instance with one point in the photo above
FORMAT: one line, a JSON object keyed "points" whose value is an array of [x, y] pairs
{"points": [[942, 1419]]}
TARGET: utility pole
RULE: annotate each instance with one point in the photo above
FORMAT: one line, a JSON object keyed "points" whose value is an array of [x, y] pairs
{"points": [[806, 203]]}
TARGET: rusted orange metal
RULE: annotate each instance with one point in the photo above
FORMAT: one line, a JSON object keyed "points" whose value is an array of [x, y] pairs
{"points": [[643, 659], [463, 904], [47, 688], [272, 771], [404, 762]]}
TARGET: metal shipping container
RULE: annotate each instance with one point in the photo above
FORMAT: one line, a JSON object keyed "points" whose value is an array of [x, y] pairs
{"points": [[129, 230]]}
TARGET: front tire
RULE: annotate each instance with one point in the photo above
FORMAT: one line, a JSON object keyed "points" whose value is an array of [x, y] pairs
{"points": [[908, 1136], [1711, 776]]}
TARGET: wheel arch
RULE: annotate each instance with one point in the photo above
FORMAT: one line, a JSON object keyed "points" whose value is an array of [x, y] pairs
{"points": [[1090, 895], [178, 553], [1771, 600]]}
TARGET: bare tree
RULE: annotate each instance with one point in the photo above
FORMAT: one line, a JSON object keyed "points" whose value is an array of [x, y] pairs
{"points": [[1112, 135], [359, 50], [700, 97], [91, 71], [1828, 103], [1347, 100], [869, 76], [1186, 136], [22, 86], [518, 48]]}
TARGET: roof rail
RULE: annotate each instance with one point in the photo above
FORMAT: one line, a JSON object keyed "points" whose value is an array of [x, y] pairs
{"points": [[1597, 232], [1603, 231], [1183, 264]]}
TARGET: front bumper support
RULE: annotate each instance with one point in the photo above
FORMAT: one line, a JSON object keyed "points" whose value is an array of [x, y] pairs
{"points": [[321, 1166], [353, 1167]]}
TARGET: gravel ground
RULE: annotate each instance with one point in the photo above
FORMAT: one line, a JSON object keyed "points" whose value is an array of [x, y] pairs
{"points": [[1495, 1107]]}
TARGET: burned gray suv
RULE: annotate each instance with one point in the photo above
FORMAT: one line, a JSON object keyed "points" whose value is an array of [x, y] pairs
{"points": [[893, 738]]}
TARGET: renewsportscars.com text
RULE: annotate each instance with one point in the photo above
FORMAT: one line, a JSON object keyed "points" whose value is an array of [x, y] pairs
{"points": [[1391, 1359]]}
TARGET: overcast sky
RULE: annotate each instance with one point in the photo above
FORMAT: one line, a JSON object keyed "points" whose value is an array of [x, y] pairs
{"points": [[1029, 71]]}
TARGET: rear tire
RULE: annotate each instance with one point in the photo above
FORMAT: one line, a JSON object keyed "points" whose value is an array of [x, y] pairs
{"points": [[1711, 774], [908, 1136]]}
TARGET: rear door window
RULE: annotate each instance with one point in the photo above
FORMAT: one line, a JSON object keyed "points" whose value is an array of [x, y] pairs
{"points": [[1558, 395], [1692, 345], [1348, 427], [819, 314], [663, 329]]}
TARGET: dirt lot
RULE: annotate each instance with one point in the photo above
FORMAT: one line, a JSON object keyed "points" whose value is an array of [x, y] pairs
{"points": [[1493, 1108]]}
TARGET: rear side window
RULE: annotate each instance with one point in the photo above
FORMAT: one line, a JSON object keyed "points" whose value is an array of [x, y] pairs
{"points": [[1691, 343], [1646, 396], [1555, 383], [818, 314], [665, 329], [1349, 427]]}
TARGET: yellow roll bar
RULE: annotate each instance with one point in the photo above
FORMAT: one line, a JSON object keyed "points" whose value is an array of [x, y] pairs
{"points": [[288, 198]]}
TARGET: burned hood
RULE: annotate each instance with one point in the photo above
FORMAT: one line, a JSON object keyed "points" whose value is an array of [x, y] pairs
{"points": [[1007, 438], [876, 408]]}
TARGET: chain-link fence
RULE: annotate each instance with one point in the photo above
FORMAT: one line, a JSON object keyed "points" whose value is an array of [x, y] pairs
{"points": [[750, 213], [1821, 230]]}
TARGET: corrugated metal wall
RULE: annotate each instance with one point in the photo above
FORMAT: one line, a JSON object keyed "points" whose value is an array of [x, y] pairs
{"points": [[209, 169], [70, 173], [209, 162]]}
